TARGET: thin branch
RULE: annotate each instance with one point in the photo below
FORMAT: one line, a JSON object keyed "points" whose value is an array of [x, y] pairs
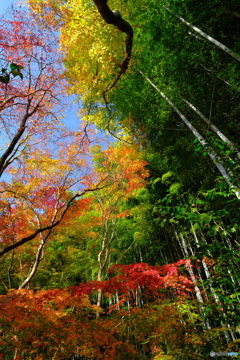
{"points": [[9, 271], [18, 135], [52, 225], [123, 317], [114, 18]]}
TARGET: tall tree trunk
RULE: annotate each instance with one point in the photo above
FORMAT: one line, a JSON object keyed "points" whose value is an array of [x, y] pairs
{"points": [[104, 255], [214, 294], [199, 297], [38, 259], [214, 128], [9, 271], [183, 245], [99, 293], [206, 36], [202, 141]]}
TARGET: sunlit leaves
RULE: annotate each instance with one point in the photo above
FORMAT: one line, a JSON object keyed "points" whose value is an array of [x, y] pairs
{"points": [[92, 49], [61, 321]]}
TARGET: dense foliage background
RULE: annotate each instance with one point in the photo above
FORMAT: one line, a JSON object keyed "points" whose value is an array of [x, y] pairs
{"points": [[149, 180]]}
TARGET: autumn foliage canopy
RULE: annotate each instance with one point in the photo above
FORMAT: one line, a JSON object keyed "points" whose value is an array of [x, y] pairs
{"points": [[118, 240]]}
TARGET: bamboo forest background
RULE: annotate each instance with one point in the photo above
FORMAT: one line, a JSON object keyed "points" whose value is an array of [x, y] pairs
{"points": [[120, 240]]}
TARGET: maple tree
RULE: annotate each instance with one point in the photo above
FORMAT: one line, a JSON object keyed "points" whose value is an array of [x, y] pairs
{"points": [[42, 158], [97, 235], [93, 54], [54, 320], [26, 104], [127, 174], [41, 161]]}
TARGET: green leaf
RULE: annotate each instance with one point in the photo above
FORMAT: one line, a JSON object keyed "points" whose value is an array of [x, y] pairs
{"points": [[14, 66], [19, 67], [5, 79], [4, 70], [15, 72]]}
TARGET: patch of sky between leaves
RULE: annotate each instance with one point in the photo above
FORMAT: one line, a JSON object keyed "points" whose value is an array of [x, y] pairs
{"points": [[73, 105], [5, 4]]}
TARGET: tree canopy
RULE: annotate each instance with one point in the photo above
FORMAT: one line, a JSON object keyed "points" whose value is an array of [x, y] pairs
{"points": [[119, 236]]}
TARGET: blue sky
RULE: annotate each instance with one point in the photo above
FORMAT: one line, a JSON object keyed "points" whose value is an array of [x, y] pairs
{"points": [[4, 4], [71, 118]]}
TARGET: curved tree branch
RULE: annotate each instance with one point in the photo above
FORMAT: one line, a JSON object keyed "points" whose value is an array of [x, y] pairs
{"points": [[53, 224], [115, 18]]}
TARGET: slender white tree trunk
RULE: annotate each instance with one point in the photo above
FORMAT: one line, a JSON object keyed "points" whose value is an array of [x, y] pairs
{"points": [[206, 36], [214, 128], [215, 296], [197, 290], [183, 245], [202, 141], [38, 259], [199, 297]]}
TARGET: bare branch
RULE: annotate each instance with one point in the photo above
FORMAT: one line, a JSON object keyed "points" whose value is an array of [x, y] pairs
{"points": [[17, 136]]}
